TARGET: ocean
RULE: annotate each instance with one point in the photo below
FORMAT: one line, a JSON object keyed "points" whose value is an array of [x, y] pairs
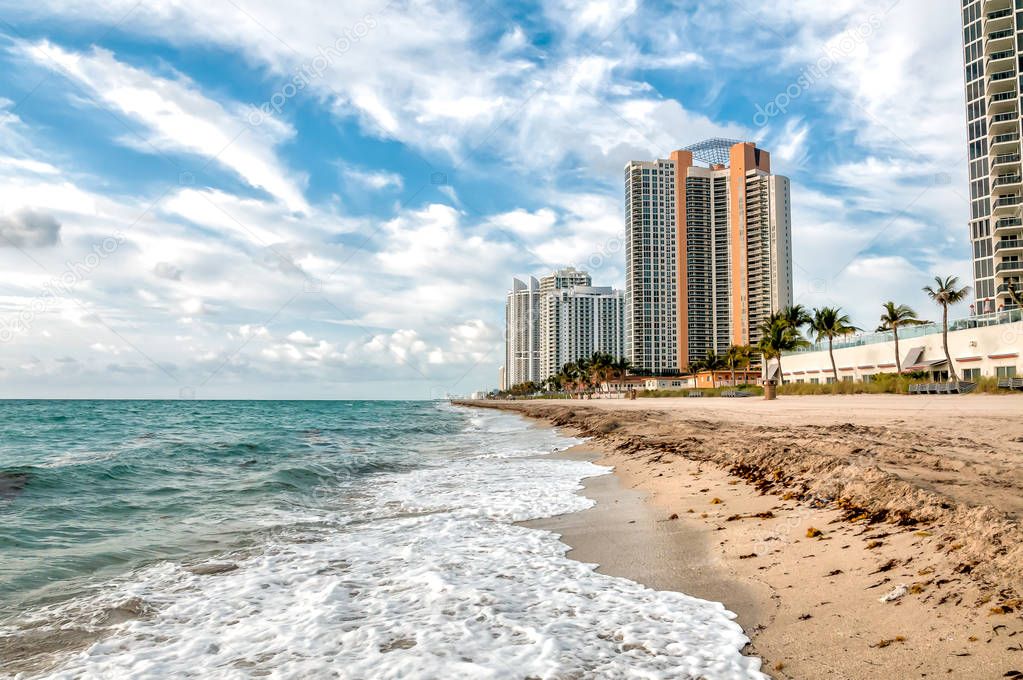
{"points": [[297, 539]]}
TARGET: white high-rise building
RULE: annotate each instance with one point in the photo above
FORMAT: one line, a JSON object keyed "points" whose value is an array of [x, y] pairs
{"points": [[708, 252], [556, 320], [578, 321], [991, 47], [522, 332], [564, 278]]}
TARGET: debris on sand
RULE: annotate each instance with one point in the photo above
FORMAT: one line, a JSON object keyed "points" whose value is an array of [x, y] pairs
{"points": [[895, 593]]}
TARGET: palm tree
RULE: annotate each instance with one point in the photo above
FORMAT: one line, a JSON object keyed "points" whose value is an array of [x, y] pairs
{"points": [[795, 316], [570, 374], [738, 356], [777, 336], [713, 362], [620, 368], [946, 293], [601, 367], [830, 322], [895, 316]]}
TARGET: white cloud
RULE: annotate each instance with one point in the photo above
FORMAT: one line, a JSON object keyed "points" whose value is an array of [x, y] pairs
{"points": [[369, 179], [178, 117]]}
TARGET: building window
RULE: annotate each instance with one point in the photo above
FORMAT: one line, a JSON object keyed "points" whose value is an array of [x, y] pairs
{"points": [[971, 373], [1005, 371]]}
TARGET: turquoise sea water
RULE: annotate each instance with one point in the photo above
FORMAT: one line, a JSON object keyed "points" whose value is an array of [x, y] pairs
{"points": [[96, 487], [314, 539]]}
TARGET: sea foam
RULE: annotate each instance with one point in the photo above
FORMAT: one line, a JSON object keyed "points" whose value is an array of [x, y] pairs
{"points": [[428, 577]]}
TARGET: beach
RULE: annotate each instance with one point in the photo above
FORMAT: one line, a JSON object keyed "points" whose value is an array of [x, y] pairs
{"points": [[320, 540], [856, 536]]}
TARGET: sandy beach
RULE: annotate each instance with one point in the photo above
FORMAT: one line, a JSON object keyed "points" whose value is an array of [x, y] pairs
{"points": [[857, 536]]}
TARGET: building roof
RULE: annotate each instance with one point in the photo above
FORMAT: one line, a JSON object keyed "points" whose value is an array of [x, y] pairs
{"points": [[713, 151]]}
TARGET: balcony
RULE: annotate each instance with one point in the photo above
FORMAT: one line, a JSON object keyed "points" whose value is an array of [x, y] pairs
{"points": [[996, 5], [998, 40], [999, 20], [1004, 288], [1006, 184], [1008, 245], [1003, 121], [1010, 267], [1011, 225], [1001, 81], [999, 60], [1001, 102], [1007, 205], [1005, 143], [1003, 160]]}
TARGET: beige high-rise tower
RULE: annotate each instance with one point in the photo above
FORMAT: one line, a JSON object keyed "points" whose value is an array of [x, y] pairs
{"points": [[991, 46], [708, 252]]}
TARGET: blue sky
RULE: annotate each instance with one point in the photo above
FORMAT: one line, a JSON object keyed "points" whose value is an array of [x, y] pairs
{"points": [[245, 198]]}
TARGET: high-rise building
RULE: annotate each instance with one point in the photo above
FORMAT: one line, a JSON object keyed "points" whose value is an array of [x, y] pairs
{"points": [[990, 49], [575, 322], [522, 332], [558, 319], [564, 278], [708, 252]]}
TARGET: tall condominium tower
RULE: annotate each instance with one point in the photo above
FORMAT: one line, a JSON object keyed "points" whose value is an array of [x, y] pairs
{"points": [[558, 319], [707, 252], [990, 48], [575, 322], [521, 332]]}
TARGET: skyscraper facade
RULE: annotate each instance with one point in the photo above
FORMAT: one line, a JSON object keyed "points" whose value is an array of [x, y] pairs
{"points": [[556, 320], [575, 322], [708, 252], [522, 332], [990, 49]]}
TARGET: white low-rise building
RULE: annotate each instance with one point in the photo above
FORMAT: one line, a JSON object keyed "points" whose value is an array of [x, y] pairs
{"points": [[982, 346]]}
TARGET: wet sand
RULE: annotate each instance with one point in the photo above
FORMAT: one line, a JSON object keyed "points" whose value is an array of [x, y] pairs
{"points": [[800, 515]]}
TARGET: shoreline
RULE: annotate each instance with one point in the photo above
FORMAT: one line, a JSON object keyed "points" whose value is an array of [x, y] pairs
{"points": [[810, 604], [648, 548]]}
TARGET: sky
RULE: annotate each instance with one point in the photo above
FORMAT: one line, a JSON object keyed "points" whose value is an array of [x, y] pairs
{"points": [[259, 199]]}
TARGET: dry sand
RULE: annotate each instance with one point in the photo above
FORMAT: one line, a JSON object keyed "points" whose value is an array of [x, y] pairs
{"points": [[925, 492]]}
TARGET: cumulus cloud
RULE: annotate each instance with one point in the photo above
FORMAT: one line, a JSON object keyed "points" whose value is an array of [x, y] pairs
{"points": [[29, 229]]}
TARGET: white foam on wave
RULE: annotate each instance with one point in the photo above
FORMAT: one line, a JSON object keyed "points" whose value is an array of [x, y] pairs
{"points": [[453, 591]]}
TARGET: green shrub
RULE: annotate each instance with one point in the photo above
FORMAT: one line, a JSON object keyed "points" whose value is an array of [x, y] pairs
{"points": [[707, 392]]}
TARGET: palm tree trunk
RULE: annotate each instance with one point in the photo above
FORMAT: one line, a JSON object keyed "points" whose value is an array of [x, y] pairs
{"points": [[831, 353], [944, 342], [898, 359]]}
